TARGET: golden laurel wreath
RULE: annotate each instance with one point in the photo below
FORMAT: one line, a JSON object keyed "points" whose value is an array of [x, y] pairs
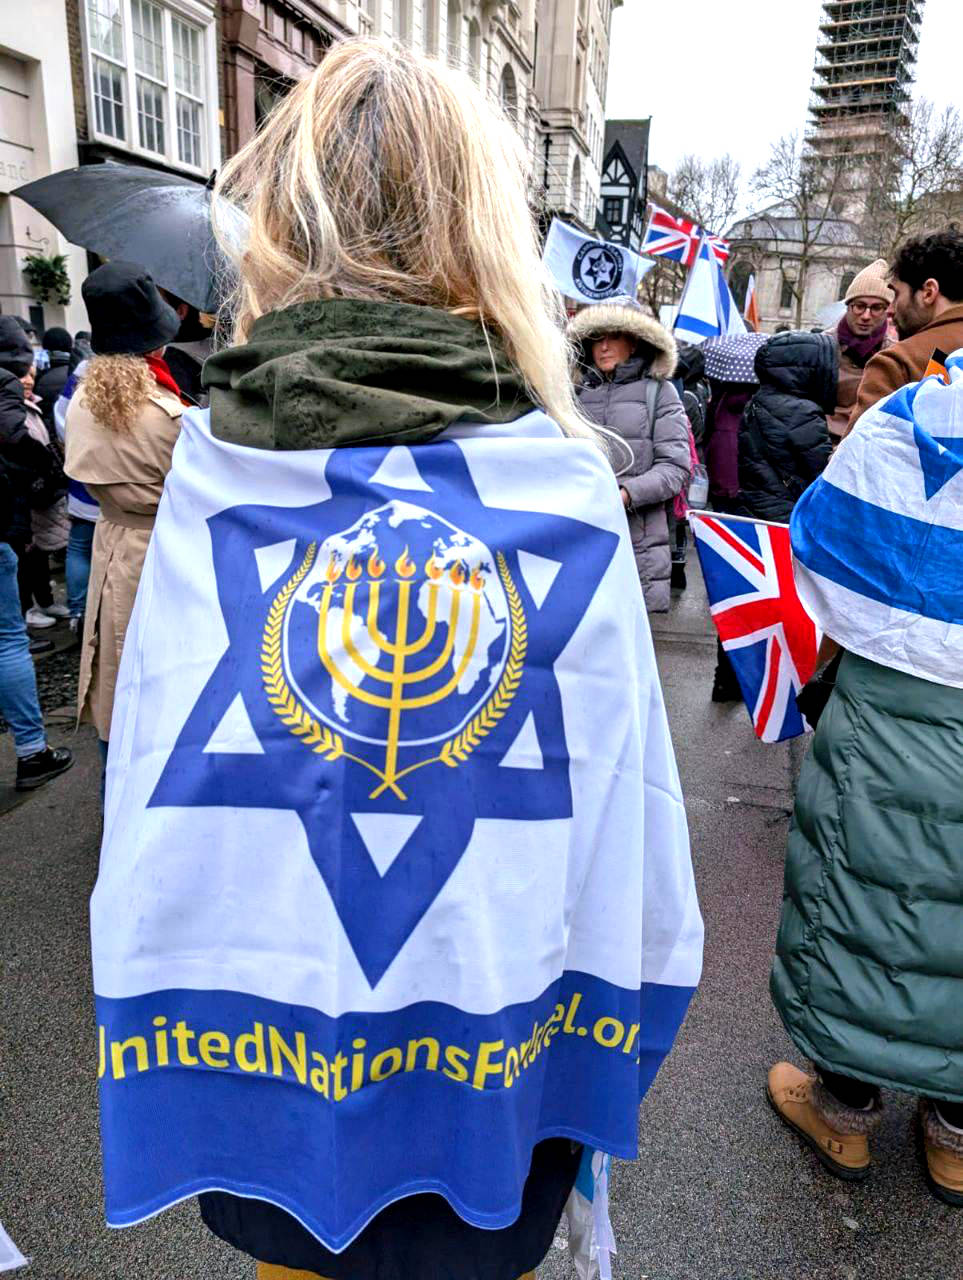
{"points": [[318, 737], [456, 750], [330, 745]]}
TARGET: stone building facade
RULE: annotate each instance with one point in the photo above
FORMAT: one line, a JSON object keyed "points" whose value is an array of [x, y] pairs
{"points": [[37, 136], [571, 70], [493, 40], [545, 61], [181, 84], [769, 245], [266, 46]]}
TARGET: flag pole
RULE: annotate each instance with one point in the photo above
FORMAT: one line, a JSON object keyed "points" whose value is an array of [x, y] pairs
{"points": [[688, 279], [750, 312]]}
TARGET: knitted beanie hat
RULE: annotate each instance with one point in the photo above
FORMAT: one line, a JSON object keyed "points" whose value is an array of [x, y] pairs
{"points": [[16, 350], [57, 339], [871, 283]]}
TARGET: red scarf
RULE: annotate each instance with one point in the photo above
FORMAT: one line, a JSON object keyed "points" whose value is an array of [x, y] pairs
{"points": [[163, 376]]}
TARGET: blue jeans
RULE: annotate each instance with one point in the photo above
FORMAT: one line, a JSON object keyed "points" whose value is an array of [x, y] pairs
{"points": [[19, 704], [78, 564]]}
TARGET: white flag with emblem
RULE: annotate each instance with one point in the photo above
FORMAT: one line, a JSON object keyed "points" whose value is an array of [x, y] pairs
{"points": [[591, 270]]}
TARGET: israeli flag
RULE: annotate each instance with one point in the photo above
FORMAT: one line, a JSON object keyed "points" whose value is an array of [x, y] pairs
{"points": [[878, 539], [707, 308], [394, 844], [590, 270]]}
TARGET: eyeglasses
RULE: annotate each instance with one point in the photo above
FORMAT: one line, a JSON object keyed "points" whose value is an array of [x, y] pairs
{"points": [[874, 308]]}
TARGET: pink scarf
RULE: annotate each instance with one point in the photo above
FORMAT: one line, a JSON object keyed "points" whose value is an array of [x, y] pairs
{"points": [[861, 347]]}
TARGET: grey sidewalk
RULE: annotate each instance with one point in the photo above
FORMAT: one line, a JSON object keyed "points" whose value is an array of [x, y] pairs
{"points": [[721, 1190]]}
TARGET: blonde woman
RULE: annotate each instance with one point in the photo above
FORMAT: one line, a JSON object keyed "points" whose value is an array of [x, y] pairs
{"points": [[390, 285], [120, 431]]}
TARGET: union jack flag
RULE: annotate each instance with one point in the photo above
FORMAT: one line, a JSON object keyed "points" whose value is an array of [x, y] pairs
{"points": [[770, 639], [678, 238]]}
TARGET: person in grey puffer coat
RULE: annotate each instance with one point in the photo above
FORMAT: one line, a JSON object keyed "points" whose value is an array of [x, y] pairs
{"points": [[626, 360]]}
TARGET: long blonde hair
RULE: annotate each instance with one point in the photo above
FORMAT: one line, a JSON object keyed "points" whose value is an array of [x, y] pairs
{"points": [[115, 388], [386, 176]]}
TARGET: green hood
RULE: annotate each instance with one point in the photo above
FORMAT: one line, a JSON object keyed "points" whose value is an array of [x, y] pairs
{"points": [[323, 374]]}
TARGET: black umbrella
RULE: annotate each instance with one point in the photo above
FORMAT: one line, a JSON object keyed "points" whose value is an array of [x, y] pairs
{"points": [[158, 220]]}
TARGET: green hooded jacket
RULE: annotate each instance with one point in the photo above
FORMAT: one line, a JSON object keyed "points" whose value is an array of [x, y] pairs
{"points": [[320, 375], [868, 974], [323, 375]]}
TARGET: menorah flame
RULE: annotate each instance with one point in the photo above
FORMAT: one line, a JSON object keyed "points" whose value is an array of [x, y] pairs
{"points": [[396, 683]]}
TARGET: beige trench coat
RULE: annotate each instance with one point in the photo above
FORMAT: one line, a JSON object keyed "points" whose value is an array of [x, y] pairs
{"points": [[125, 472]]}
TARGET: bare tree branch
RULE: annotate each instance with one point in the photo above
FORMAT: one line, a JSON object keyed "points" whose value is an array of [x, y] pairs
{"points": [[918, 182], [805, 185], [707, 190], [663, 284]]}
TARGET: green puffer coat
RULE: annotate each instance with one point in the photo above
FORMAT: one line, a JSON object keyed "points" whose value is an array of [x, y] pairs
{"points": [[868, 974]]}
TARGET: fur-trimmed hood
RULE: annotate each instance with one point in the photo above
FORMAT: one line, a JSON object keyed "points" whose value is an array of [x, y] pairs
{"points": [[625, 316]]}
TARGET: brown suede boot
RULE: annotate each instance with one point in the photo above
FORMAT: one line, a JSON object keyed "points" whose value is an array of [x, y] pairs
{"points": [[837, 1134], [943, 1156]]}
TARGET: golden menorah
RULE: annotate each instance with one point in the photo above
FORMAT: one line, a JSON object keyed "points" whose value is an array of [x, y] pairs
{"points": [[396, 684]]}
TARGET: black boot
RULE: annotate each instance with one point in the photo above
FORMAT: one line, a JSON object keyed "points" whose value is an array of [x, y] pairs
{"points": [[725, 687], [677, 575], [33, 771], [723, 691]]}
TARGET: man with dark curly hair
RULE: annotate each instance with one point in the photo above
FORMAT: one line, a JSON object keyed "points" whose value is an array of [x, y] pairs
{"points": [[927, 278]]}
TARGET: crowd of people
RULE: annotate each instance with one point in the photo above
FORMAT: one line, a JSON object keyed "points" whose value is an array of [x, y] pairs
{"points": [[87, 433]]}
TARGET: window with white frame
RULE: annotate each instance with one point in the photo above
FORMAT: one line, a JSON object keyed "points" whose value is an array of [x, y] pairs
{"points": [[430, 19], [475, 49], [367, 17], [508, 92], [149, 76], [454, 33], [403, 23]]}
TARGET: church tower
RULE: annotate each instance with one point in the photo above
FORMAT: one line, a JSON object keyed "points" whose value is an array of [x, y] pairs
{"points": [[865, 57]]}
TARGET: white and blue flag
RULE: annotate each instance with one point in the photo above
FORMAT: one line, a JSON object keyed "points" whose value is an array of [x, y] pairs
{"points": [[395, 879], [878, 539], [80, 502], [591, 270], [707, 308]]}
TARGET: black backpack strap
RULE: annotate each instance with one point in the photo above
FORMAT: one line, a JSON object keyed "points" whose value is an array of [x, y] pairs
{"points": [[651, 400]]}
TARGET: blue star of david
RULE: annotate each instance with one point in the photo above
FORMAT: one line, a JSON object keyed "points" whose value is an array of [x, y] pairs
{"points": [[941, 458], [380, 912]]}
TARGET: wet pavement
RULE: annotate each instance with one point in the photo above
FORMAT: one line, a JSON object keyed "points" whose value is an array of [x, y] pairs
{"points": [[721, 1191]]}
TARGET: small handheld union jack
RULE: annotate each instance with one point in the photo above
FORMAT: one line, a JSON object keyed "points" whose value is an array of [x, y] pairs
{"points": [[678, 238], [770, 639]]}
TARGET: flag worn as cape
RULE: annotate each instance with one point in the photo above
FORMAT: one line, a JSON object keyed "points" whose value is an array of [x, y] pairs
{"points": [[80, 502], [395, 879], [878, 539], [591, 270]]}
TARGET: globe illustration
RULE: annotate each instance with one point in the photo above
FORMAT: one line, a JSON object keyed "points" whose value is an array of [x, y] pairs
{"points": [[399, 632]]}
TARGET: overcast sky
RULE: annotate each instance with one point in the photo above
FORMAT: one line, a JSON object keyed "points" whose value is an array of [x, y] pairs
{"points": [[735, 75]]}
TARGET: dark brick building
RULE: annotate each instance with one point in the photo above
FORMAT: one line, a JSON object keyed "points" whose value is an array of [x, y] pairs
{"points": [[266, 45]]}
